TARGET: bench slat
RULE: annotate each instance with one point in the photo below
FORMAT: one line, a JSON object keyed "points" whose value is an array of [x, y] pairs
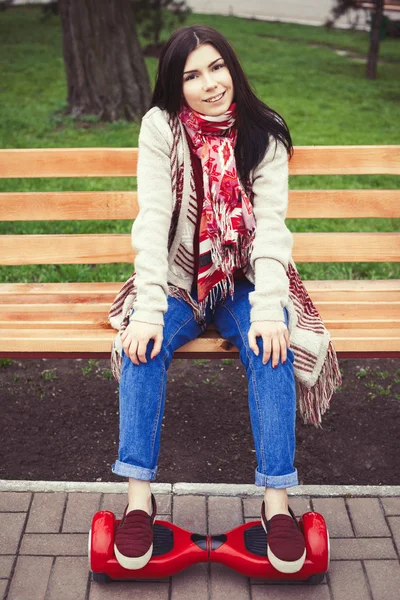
{"points": [[116, 248], [344, 308], [68, 206], [73, 321], [37, 300], [100, 308], [313, 286], [68, 162], [74, 287], [345, 160], [387, 7], [98, 342], [343, 204], [65, 249], [303, 204], [118, 162]]}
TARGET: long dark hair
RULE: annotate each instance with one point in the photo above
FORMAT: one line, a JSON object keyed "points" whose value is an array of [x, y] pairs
{"points": [[254, 119]]}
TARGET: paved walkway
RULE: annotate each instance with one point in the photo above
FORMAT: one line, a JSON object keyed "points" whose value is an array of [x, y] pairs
{"points": [[307, 12], [43, 543]]}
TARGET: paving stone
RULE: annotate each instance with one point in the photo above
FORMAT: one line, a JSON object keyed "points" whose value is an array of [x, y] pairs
{"points": [[190, 582], [117, 503], [289, 592], [30, 579], [384, 578], [391, 506], [362, 548], [11, 526], [367, 517], [394, 524], [251, 520], [335, 514], [6, 563], [128, 590], [163, 518], [226, 584], [3, 587], [46, 512], [252, 507], [163, 504], [68, 579], [79, 513], [14, 501], [299, 505], [224, 513], [189, 512], [347, 580], [254, 581], [62, 544]]}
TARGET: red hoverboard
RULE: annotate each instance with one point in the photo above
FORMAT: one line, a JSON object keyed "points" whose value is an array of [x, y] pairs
{"points": [[243, 549]]}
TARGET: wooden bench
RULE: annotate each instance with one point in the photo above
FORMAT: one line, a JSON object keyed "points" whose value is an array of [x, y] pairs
{"points": [[70, 319], [388, 5]]}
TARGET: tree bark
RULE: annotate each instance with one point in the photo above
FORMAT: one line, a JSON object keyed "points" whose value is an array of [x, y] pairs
{"points": [[373, 52], [105, 69]]}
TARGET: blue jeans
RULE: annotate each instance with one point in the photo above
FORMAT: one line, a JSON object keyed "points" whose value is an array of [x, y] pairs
{"points": [[271, 394]]}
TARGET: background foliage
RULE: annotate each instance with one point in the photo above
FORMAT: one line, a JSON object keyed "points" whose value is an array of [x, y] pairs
{"points": [[315, 78]]}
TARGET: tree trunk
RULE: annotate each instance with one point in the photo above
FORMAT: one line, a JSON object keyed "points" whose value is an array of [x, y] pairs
{"points": [[373, 52], [105, 68]]}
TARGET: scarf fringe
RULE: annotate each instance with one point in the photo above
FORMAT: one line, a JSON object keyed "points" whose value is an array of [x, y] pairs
{"points": [[116, 362], [217, 293], [228, 257], [314, 402]]}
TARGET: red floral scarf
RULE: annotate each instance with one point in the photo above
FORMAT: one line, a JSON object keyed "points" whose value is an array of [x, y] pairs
{"points": [[227, 224]]}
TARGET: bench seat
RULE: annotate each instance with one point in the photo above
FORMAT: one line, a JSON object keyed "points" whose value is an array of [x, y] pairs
{"points": [[70, 320]]}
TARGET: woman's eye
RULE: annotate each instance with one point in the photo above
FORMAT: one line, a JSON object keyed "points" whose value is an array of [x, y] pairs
{"points": [[189, 77]]}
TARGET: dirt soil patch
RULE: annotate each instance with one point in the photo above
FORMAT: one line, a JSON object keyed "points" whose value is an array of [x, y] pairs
{"points": [[60, 422]]}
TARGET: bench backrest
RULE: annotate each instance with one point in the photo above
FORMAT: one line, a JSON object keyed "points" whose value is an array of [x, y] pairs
{"points": [[122, 162], [388, 5]]}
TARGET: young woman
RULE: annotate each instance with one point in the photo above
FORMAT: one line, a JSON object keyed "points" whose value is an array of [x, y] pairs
{"points": [[212, 245]]}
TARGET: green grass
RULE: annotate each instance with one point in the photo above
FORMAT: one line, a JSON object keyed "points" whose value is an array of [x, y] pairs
{"points": [[324, 97]]}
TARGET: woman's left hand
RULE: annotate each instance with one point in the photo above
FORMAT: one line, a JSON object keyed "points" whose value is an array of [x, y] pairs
{"points": [[275, 337]]}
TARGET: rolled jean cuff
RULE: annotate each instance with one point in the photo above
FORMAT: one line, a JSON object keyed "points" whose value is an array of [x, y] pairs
{"points": [[277, 481], [126, 470]]}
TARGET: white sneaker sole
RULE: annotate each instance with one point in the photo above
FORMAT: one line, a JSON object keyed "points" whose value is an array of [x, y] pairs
{"points": [[133, 563], [282, 565]]}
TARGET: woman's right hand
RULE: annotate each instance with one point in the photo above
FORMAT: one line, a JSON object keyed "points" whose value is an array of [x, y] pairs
{"points": [[136, 337]]}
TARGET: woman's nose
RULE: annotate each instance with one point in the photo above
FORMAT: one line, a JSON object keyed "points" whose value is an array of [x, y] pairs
{"points": [[209, 83]]}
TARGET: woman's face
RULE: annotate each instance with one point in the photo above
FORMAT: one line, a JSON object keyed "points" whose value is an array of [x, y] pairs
{"points": [[209, 78]]}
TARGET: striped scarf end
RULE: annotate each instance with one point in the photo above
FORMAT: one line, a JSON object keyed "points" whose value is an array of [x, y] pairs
{"points": [[315, 401]]}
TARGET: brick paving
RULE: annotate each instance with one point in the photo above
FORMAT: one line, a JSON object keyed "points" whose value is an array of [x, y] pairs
{"points": [[43, 548]]}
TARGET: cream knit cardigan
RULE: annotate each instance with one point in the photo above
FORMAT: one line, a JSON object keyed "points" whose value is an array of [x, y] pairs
{"points": [[155, 267]]}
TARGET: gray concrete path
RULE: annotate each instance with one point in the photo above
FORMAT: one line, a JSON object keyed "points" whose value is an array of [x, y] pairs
{"points": [[307, 12], [43, 544]]}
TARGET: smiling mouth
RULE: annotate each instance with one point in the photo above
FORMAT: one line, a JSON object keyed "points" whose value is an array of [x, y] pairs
{"points": [[215, 99]]}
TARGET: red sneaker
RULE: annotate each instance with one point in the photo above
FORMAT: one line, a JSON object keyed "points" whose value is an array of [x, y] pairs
{"points": [[133, 544], [286, 546]]}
